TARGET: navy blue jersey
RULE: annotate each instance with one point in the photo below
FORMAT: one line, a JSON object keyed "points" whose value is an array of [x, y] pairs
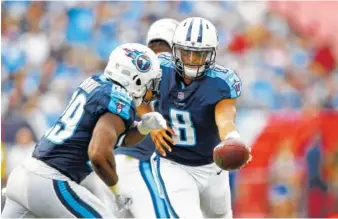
{"points": [[142, 152], [190, 111], [65, 145]]}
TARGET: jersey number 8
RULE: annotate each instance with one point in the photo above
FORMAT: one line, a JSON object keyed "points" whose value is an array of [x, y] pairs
{"points": [[65, 127], [182, 125]]}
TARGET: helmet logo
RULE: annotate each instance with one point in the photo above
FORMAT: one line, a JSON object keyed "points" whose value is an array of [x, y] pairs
{"points": [[141, 61]]}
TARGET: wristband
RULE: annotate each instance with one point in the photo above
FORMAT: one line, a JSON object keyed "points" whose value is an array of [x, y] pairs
{"points": [[232, 134], [141, 129], [115, 189]]}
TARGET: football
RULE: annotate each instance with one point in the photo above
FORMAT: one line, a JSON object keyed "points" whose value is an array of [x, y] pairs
{"points": [[231, 154]]}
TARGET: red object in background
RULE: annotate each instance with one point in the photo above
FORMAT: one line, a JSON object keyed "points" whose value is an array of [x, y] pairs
{"points": [[321, 15], [253, 179], [315, 203], [335, 215], [239, 44], [324, 57]]}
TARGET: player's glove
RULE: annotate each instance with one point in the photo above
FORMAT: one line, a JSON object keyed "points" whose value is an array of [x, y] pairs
{"points": [[123, 202], [151, 121]]}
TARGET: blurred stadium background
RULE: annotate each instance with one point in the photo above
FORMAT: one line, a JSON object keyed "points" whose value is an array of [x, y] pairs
{"points": [[285, 52]]}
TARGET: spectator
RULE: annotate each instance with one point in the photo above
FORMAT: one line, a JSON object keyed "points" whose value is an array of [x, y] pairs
{"points": [[23, 147]]}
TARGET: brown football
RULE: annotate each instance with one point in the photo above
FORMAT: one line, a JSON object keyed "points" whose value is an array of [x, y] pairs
{"points": [[231, 154]]}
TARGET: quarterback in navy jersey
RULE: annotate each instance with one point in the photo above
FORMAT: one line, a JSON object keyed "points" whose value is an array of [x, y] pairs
{"points": [[198, 99], [101, 110]]}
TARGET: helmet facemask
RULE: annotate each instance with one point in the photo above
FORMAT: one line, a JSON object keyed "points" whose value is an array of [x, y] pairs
{"points": [[152, 89], [192, 62], [148, 93]]}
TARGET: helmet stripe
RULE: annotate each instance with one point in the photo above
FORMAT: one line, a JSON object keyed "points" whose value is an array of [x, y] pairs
{"points": [[188, 38], [200, 33]]}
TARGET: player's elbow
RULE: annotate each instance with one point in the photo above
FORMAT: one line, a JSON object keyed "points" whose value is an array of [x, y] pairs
{"points": [[96, 157], [101, 146]]}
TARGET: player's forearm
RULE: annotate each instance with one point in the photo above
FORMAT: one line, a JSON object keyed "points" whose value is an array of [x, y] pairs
{"points": [[133, 137], [106, 170], [225, 114], [101, 156], [227, 128]]}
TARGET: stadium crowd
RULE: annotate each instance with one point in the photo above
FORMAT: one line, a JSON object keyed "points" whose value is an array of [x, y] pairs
{"points": [[49, 47]]}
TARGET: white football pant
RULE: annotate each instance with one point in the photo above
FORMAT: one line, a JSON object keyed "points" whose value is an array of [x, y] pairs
{"points": [[96, 186], [137, 181], [35, 189], [193, 192]]}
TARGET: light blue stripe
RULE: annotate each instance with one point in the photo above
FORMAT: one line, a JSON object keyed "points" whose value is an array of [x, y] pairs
{"points": [[221, 74], [149, 178], [182, 85], [165, 60], [89, 164], [102, 77], [167, 200], [72, 202]]}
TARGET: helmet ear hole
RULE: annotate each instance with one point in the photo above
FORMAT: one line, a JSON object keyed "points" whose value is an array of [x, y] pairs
{"points": [[138, 82]]}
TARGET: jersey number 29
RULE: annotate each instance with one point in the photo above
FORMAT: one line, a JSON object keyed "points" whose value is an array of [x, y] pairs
{"points": [[182, 125], [65, 127]]}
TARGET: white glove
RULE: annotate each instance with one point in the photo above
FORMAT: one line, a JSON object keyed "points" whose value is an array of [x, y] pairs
{"points": [[150, 121], [123, 202]]}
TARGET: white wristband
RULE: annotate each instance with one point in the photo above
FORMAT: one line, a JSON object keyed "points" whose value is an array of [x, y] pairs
{"points": [[232, 134], [141, 129]]}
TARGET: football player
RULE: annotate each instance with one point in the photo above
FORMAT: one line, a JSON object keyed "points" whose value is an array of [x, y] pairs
{"points": [[198, 100], [101, 109], [133, 163]]}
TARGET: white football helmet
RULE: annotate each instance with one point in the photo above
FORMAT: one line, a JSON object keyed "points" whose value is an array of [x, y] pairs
{"points": [[136, 68], [162, 29], [194, 47]]}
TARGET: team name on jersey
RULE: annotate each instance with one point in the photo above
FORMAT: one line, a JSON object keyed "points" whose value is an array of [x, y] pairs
{"points": [[89, 85]]}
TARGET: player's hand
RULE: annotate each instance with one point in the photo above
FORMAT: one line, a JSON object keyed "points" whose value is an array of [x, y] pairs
{"points": [[123, 202], [151, 121], [161, 138], [249, 159]]}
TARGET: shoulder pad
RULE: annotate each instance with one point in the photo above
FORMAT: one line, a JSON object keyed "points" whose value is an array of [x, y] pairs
{"points": [[229, 77], [165, 59]]}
